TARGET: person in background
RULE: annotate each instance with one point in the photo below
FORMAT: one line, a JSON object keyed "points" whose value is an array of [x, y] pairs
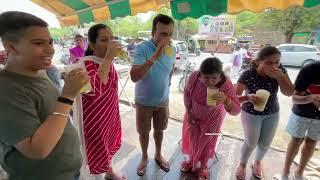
{"points": [[259, 127], [202, 123], [78, 51], [131, 48], [55, 76], [236, 61]]}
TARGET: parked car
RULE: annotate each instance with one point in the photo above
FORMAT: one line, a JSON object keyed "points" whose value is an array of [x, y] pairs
{"points": [[298, 54], [182, 56]]}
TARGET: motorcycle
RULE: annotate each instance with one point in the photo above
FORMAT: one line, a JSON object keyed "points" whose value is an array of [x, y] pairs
{"points": [[185, 75], [246, 62]]}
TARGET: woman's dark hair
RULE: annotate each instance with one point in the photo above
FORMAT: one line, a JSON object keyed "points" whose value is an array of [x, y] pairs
{"points": [[211, 66], [78, 36], [266, 52], [93, 35]]}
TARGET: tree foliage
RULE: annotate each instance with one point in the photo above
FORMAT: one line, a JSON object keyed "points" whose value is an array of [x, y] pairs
{"points": [[246, 22], [291, 20]]}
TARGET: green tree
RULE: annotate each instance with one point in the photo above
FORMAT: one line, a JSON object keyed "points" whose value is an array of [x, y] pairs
{"points": [[291, 20], [60, 32], [246, 22]]}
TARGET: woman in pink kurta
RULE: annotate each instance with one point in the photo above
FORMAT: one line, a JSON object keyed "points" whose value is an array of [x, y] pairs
{"points": [[101, 119], [77, 52], [202, 123]]}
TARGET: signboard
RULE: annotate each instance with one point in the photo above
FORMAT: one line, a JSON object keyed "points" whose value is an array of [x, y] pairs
{"points": [[222, 25], [246, 38]]}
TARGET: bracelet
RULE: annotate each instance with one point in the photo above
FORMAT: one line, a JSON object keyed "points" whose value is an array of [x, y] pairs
{"points": [[60, 114], [228, 102], [153, 62], [65, 100]]}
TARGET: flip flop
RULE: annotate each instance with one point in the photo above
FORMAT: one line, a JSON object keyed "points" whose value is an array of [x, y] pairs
{"points": [[295, 177], [203, 175], [256, 175], [143, 170], [186, 166], [163, 167], [116, 177], [280, 177], [240, 176]]}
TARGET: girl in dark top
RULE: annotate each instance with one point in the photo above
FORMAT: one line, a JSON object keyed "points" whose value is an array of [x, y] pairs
{"points": [[259, 127]]}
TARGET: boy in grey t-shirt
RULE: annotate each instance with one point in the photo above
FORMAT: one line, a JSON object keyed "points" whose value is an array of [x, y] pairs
{"points": [[37, 140]]}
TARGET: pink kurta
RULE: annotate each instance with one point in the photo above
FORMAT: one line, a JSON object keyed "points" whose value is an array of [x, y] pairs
{"points": [[199, 140], [101, 120]]}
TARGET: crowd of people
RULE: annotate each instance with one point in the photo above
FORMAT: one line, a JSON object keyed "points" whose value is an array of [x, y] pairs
{"points": [[40, 140]]}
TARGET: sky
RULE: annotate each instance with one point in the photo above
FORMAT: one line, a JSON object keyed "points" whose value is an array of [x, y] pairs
{"points": [[32, 8], [29, 7]]}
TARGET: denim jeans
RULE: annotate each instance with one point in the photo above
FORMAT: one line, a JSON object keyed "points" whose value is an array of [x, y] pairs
{"points": [[258, 130]]}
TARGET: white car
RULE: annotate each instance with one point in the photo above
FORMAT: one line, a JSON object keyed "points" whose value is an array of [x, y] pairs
{"points": [[298, 54]]}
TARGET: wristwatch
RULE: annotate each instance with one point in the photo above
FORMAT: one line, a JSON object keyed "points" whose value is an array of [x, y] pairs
{"points": [[65, 100]]}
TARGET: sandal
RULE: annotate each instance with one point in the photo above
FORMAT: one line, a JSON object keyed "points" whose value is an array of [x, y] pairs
{"points": [[257, 173], [142, 170], [163, 165], [241, 175], [203, 174], [115, 177], [186, 166], [295, 177], [280, 177]]}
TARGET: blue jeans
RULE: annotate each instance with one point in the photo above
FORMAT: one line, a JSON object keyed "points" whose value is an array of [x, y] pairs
{"points": [[258, 130]]}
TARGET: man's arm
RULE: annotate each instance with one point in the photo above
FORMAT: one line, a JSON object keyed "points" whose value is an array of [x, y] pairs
{"points": [[138, 72]]}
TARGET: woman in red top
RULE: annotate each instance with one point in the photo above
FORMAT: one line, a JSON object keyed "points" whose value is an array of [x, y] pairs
{"points": [[101, 124]]}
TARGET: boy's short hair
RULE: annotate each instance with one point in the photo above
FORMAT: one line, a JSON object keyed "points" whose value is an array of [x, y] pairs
{"points": [[13, 24]]}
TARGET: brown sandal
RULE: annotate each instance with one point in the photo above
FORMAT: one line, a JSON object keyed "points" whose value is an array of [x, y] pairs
{"points": [[255, 172], [163, 165], [142, 170], [240, 175], [186, 166]]}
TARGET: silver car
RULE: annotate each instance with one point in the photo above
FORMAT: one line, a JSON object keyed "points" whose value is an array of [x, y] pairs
{"points": [[298, 54], [181, 54]]}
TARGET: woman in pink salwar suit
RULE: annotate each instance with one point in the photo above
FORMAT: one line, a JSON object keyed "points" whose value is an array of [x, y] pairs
{"points": [[202, 123]]}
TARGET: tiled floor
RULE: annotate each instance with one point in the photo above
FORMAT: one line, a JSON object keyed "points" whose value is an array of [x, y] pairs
{"points": [[228, 152]]}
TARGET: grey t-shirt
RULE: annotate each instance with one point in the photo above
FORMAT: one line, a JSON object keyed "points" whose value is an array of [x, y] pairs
{"points": [[25, 103]]}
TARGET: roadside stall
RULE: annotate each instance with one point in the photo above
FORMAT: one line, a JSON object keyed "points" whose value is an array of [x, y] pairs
{"points": [[75, 12]]}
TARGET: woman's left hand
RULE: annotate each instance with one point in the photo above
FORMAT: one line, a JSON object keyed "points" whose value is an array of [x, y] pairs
{"points": [[275, 73], [220, 97]]}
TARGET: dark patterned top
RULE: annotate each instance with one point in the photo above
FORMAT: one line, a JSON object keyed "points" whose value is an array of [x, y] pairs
{"points": [[253, 82]]}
